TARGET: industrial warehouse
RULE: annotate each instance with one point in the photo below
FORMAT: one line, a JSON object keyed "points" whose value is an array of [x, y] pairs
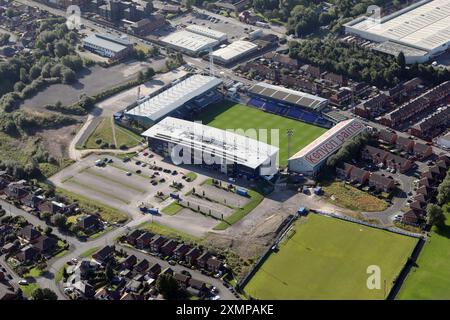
{"points": [[189, 42], [421, 30], [108, 46], [233, 52], [309, 159], [189, 142], [194, 92]]}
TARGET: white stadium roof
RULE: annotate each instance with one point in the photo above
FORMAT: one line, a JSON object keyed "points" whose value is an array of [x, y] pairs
{"points": [[174, 97], [234, 50], [226, 145], [424, 25], [329, 142], [204, 31], [189, 41], [299, 98]]}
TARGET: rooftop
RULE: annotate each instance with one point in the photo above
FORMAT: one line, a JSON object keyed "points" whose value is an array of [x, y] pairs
{"points": [[234, 50], [298, 98], [232, 147], [190, 41], [106, 41], [204, 31], [424, 25], [174, 97]]}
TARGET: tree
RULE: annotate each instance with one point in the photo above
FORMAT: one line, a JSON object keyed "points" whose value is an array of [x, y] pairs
{"points": [[68, 76], [435, 215], [44, 294], [401, 60], [59, 220], [109, 272], [35, 72], [168, 287]]}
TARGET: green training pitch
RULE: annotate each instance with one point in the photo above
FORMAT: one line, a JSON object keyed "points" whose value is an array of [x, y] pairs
{"points": [[430, 279], [327, 258], [227, 115]]}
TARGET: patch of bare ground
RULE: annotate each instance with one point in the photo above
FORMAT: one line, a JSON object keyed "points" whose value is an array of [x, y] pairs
{"points": [[56, 141]]}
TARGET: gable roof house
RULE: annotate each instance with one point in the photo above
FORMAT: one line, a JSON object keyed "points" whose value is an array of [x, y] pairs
{"points": [[398, 163], [343, 170], [387, 136], [142, 266], [45, 244], [88, 222], [168, 248], [358, 175], [381, 183], [144, 240], [213, 264], [16, 190], [157, 243], [104, 255], [133, 236], [422, 151], [182, 279], [31, 200], [154, 270], [27, 254], [28, 233], [128, 262], [404, 144], [192, 255], [181, 251]]}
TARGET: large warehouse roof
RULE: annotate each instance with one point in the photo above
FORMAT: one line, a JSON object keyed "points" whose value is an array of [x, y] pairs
{"points": [[204, 31], [298, 98], [329, 142], [189, 41], [424, 25], [234, 51], [111, 43], [174, 97], [226, 145]]}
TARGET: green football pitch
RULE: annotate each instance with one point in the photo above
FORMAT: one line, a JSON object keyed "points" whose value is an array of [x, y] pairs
{"points": [[327, 258], [430, 278], [227, 115]]}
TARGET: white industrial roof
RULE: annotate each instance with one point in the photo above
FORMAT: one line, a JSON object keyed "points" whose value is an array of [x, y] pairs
{"points": [[226, 145], [174, 97], [234, 50], [299, 98], [190, 41], [330, 141], [204, 31], [425, 26]]}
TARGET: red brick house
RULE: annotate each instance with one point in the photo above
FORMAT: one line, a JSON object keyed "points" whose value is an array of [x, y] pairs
{"points": [[381, 183], [422, 151]]}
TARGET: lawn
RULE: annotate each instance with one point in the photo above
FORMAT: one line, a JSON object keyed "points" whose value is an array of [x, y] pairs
{"points": [[430, 280], [28, 289], [107, 213], [160, 229], [172, 209], [103, 132], [327, 258], [255, 199], [88, 253], [352, 198], [108, 132], [227, 115]]}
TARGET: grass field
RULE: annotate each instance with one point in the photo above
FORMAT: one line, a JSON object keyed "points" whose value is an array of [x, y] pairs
{"points": [[108, 132], [157, 228], [430, 280], [352, 198], [172, 209], [227, 115], [327, 258]]}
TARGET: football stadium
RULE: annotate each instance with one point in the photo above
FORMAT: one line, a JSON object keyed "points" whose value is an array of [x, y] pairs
{"points": [[193, 93]]}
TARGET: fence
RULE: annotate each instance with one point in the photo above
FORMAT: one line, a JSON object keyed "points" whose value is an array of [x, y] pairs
{"points": [[390, 229], [282, 232]]}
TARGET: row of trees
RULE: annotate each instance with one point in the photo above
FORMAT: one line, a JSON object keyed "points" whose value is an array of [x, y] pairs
{"points": [[435, 213]]}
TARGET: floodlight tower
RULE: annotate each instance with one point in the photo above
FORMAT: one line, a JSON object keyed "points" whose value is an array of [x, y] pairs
{"points": [[289, 134]]}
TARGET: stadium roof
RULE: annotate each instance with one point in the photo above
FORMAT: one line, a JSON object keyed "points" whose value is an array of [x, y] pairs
{"points": [[204, 31], [174, 97], [111, 43], [424, 25], [234, 50], [232, 147], [294, 97], [330, 141], [190, 41]]}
